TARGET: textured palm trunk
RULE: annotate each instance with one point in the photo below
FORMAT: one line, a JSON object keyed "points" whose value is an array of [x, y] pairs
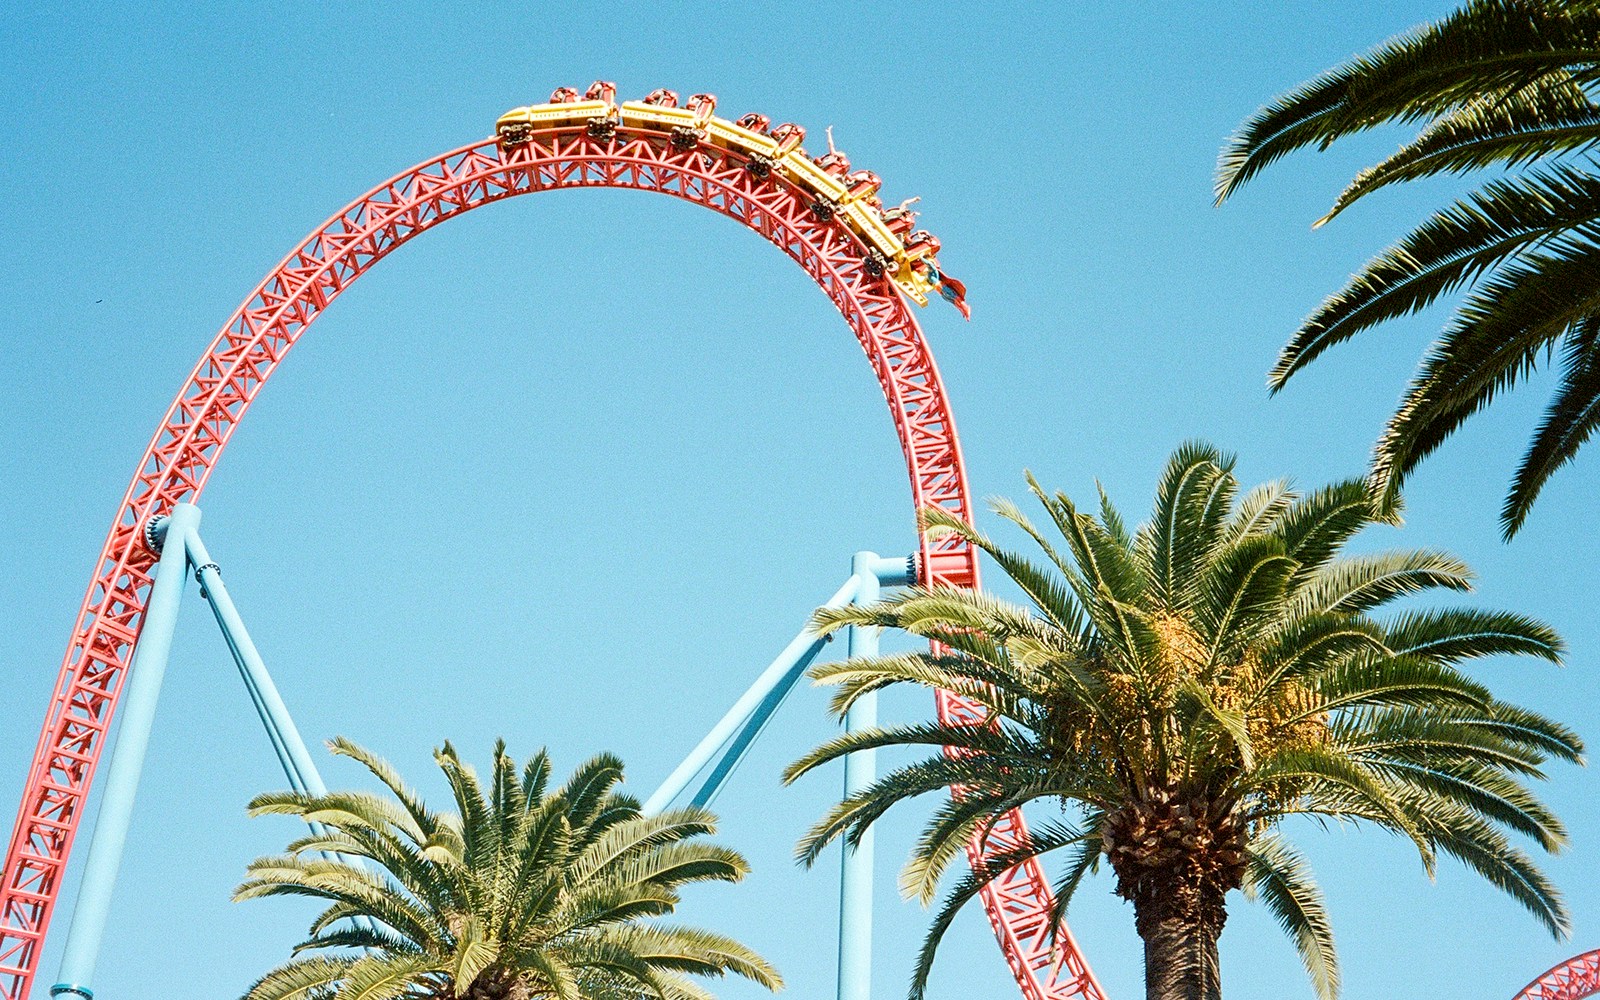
{"points": [[1177, 857], [1180, 959]]}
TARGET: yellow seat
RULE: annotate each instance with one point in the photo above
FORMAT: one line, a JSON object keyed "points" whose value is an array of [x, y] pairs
{"points": [[867, 222], [813, 178]]}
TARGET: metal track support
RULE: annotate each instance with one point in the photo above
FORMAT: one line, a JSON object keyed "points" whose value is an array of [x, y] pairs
{"points": [[290, 749], [749, 713]]}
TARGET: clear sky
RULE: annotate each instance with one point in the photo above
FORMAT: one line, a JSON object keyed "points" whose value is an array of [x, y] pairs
{"points": [[571, 469]]}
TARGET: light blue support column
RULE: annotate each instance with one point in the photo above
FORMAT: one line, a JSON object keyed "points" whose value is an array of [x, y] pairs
{"points": [[298, 765], [141, 690], [855, 881], [804, 647], [746, 736]]}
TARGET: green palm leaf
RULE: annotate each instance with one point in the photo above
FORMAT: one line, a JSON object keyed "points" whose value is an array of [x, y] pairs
{"points": [[1569, 421], [1486, 46], [1512, 128], [1279, 878]]}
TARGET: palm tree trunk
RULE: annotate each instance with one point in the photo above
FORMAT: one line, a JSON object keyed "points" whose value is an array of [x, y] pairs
{"points": [[1180, 957], [1177, 857]]}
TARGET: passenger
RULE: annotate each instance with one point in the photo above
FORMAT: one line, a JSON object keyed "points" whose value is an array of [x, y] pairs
{"points": [[951, 290], [922, 244], [703, 106], [901, 220], [833, 162], [863, 186], [789, 136]]}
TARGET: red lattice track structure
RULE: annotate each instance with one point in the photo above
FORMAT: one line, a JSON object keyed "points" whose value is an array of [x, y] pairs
{"points": [[1572, 979], [202, 419]]}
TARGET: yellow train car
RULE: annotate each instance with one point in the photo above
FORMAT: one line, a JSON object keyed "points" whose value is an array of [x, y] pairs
{"points": [[638, 114], [543, 116], [867, 222], [854, 197], [729, 135], [914, 281], [803, 171]]}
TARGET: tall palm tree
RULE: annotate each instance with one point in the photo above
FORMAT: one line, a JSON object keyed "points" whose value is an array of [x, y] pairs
{"points": [[522, 894], [1504, 86], [1175, 694]]}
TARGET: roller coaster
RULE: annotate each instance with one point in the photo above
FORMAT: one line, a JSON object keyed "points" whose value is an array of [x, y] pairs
{"points": [[871, 262]]}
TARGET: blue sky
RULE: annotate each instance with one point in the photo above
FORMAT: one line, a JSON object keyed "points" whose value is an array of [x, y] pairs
{"points": [[571, 469]]}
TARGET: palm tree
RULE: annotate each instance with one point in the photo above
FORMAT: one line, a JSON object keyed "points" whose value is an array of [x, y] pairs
{"points": [[1502, 86], [522, 894], [1175, 694]]}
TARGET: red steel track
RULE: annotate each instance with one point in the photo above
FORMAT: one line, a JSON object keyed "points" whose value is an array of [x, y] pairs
{"points": [[201, 420], [1572, 979]]}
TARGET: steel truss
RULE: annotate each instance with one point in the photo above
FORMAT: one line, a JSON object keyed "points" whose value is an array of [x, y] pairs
{"points": [[190, 440], [1572, 979]]}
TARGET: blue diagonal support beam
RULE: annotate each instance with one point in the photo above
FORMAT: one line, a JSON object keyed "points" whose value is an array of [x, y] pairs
{"points": [[781, 674], [298, 766]]}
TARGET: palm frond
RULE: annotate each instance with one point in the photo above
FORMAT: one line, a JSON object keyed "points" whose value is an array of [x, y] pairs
{"points": [[522, 891], [1495, 342], [301, 979], [1172, 543], [1450, 635], [1568, 422], [1493, 231], [1241, 595], [1486, 46], [1551, 115], [1279, 877], [1364, 583]]}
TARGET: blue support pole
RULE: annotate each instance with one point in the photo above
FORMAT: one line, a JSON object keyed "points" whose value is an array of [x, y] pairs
{"points": [[734, 754], [855, 880], [141, 691], [890, 571], [298, 765], [804, 647]]}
